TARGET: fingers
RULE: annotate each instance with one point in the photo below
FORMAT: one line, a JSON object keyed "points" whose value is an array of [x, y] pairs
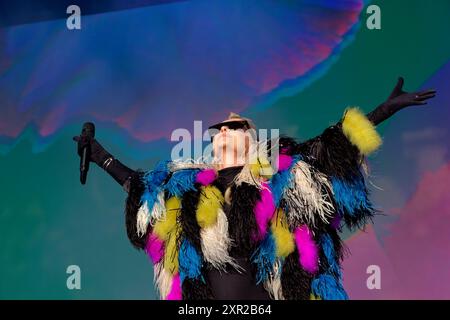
{"points": [[398, 89], [82, 139], [427, 91], [419, 103], [425, 96], [399, 84]]}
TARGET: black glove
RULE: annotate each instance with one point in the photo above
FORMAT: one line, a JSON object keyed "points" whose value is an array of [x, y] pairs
{"points": [[104, 159], [398, 100], [98, 154]]}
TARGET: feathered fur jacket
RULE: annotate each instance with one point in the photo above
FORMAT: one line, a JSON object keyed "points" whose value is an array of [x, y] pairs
{"points": [[287, 222]]}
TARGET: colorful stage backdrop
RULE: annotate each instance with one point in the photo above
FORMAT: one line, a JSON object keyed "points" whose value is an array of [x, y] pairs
{"points": [[140, 69]]}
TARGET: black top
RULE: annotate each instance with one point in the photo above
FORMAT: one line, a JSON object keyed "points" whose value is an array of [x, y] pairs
{"points": [[232, 285]]}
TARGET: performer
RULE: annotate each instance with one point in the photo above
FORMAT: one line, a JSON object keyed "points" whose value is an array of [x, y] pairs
{"points": [[233, 230]]}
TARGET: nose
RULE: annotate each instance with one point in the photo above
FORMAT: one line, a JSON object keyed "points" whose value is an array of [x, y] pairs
{"points": [[224, 129]]}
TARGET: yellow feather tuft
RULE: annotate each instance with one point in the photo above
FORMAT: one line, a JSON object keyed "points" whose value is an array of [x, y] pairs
{"points": [[261, 167], [171, 252], [313, 297], [360, 131], [211, 200], [284, 241], [164, 227]]}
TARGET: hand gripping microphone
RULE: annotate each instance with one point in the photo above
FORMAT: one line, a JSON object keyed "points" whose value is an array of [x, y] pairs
{"points": [[89, 132]]}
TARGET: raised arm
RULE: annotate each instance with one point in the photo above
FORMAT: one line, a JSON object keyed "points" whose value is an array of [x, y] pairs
{"points": [[340, 150]]}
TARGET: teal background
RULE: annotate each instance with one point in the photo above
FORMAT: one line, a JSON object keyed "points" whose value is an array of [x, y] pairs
{"points": [[48, 221]]}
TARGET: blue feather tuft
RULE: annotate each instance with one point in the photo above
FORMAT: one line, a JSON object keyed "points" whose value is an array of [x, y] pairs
{"points": [[328, 287], [264, 258], [154, 181], [190, 262], [281, 180], [181, 181], [330, 254], [351, 198], [278, 183], [157, 176]]}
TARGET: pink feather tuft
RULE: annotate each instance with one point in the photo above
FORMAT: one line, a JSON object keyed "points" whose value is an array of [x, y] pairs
{"points": [[206, 177], [154, 248], [284, 162], [307, 249], [175, 291], [264, 210]]}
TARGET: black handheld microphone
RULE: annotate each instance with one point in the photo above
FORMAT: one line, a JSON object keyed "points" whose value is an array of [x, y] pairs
{"points": [[87, 131]]}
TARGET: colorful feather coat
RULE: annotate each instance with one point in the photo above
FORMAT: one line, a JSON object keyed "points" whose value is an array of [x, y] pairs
{"points": [[288, 222]]}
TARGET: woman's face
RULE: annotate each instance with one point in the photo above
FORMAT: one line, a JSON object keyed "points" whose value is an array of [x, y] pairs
{"points": [[230, 146]]}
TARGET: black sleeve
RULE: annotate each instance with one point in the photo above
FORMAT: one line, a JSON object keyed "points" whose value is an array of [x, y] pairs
{"points": [[120, 172], [380, 114]]}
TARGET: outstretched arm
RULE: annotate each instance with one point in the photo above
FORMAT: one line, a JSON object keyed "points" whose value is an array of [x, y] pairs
{"points": [[339, 151], [398, 100]]}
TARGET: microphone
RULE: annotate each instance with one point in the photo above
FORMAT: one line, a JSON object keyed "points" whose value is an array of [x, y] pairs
{"points": [[87, 131]]}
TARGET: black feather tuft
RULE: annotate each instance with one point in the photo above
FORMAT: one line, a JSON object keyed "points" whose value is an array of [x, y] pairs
{"points": [[340, 248], [133, 203], [288, 145], [333, 154], [241, 218], [196, 289], [188, 220], [295, 282]]}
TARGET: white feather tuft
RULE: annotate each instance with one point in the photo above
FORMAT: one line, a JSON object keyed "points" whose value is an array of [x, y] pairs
{"points": [[308, 196], [246, 176], [181, 164], [215, 243], [142, 219], [144, 216], [273, 283], [159, 209], [163, 280]]}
